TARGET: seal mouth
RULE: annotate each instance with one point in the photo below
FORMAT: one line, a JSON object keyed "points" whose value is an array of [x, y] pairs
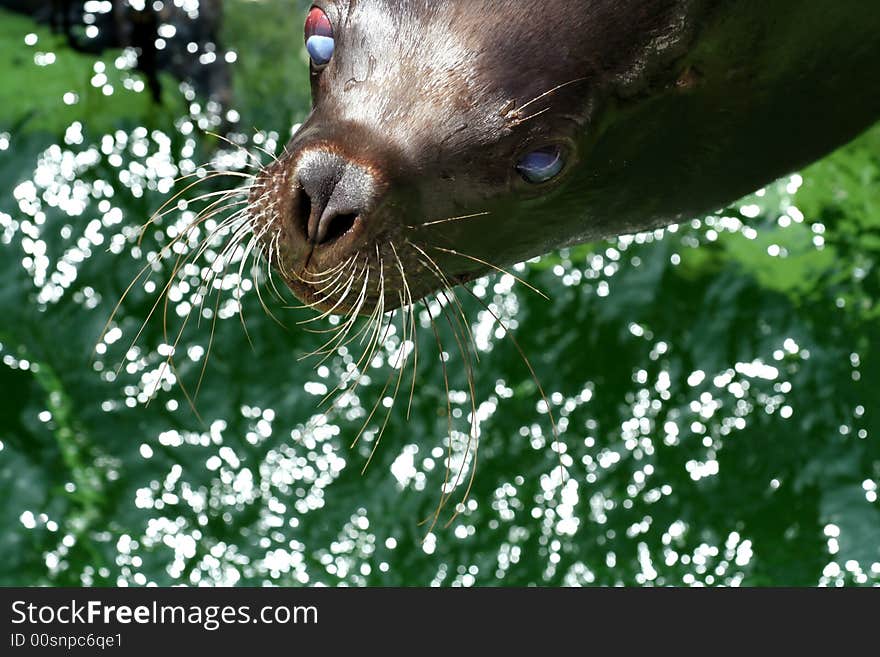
{"points": [[382, 278], [346, 227]]}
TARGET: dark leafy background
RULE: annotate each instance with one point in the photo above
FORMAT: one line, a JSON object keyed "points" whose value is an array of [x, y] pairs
{"points": [[715, 385]]}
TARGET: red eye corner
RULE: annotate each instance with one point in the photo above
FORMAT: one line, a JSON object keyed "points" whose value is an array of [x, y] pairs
{"points": [[318, 24]]}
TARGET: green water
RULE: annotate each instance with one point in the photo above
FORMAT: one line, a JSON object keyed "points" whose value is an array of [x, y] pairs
{"points": [[715, 386]]}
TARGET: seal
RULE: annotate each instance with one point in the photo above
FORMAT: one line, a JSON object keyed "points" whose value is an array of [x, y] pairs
{"points": [[449, 139]]}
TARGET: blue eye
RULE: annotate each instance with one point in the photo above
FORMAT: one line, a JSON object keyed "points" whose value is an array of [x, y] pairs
{"points": [[319, 37], [541, 165], [320, 49]]}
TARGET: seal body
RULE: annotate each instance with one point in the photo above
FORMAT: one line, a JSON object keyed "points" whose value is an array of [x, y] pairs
{"points": [[406, 177]]}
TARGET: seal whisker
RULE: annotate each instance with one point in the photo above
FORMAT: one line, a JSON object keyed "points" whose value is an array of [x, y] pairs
{"points": [[164, 208], [465, 352], [530, 117], [203, 171], [346, 326], [553, 90], [208, 283], [353, 311], [224, 194], [441, 355], [330, 276], [207, 213], [325, 274], [320, 277], [271, 269], [252, 252], [340, 337], [450, 219], [361, 334], [413, 331], [379, 309], [163, 295], [241, 229], [238, 223], [348, 285], [408, 339], [491, 266], [208, 350], [400, 367], [323, 296], [327, 289], [532, 374], [224, 258], [274, 250], [376, 334], [238, 290], [257, 162], [169, 363], [150, 265], [408, 336], [473, 441], [255, 279], [279, 262], [432, 266], [341, 333], [221, 264], [373, 328]]}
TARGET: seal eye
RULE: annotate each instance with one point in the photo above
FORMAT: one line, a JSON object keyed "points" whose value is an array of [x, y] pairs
{"points": [[319, 37], [542, 165]]}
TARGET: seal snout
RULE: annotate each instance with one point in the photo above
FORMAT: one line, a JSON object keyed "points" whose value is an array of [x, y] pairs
{"points": [[333, 196]]}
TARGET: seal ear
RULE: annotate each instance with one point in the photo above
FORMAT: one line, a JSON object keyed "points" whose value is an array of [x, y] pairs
{"points": [[542, 165], [319, 37]]}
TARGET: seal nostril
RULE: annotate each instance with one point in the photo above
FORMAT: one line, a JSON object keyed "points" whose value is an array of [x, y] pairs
{"points": [[304, 212], [335, 194], [338, 226]]}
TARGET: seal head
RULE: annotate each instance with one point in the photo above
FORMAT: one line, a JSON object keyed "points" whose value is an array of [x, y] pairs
{"points": [[451, 138]]}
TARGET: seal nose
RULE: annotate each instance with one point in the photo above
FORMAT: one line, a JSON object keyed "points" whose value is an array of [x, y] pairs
{"points": [[333, 194]]}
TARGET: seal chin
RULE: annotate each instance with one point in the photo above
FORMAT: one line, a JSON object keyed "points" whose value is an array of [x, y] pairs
{"points": [[380, 277]]}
